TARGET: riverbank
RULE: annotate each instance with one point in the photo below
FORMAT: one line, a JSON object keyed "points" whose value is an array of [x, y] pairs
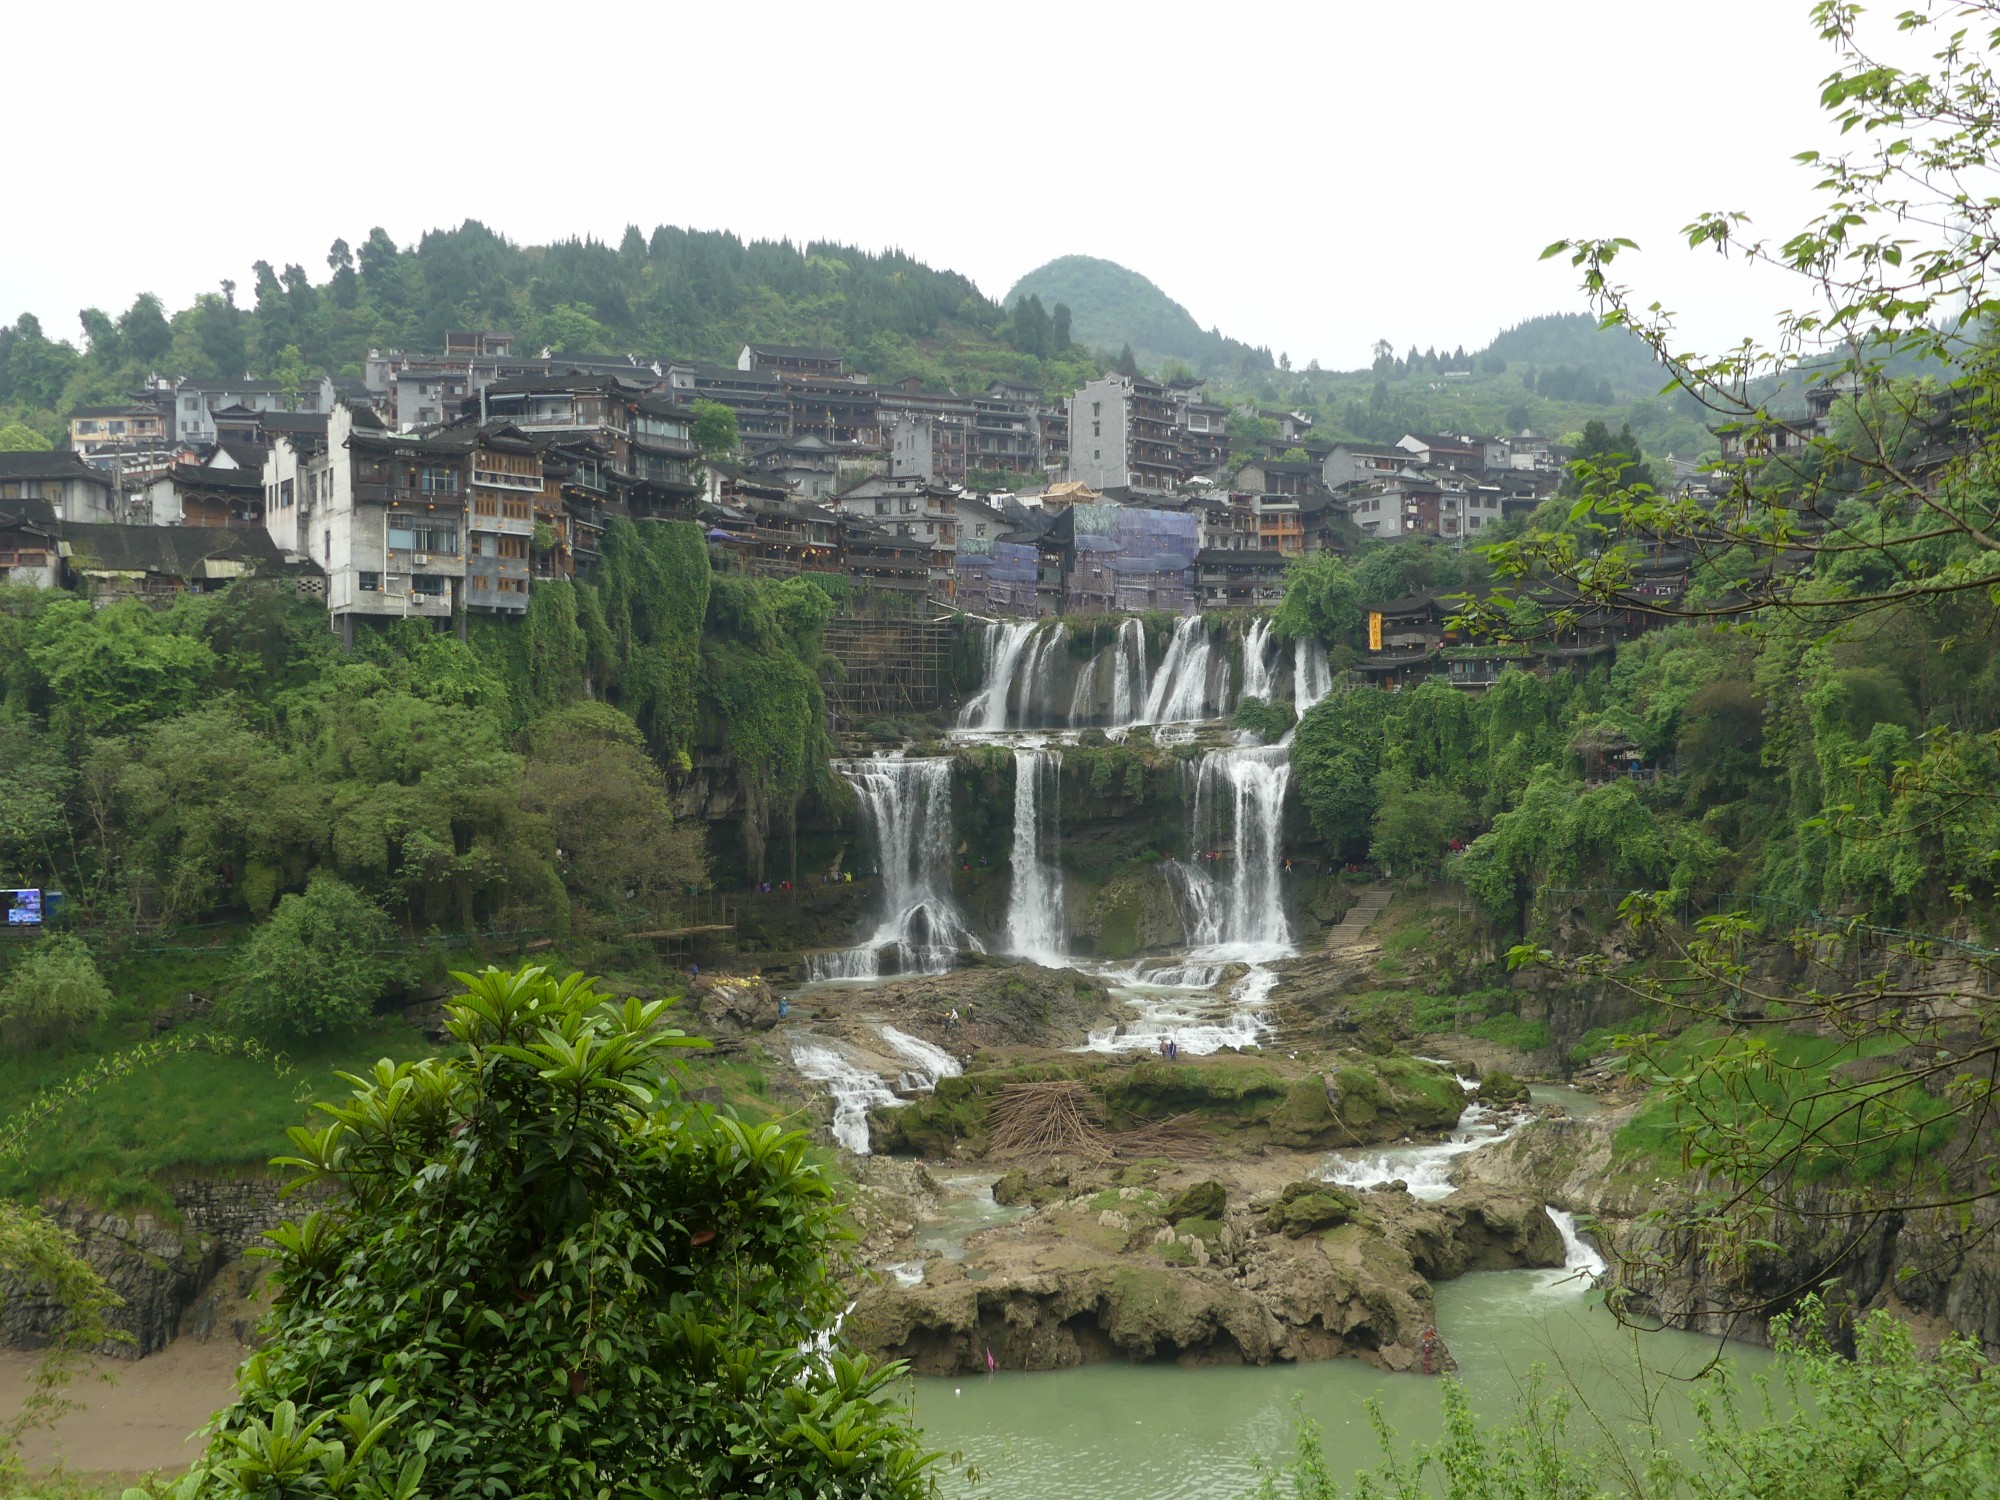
{"points": [[131, 1417]]}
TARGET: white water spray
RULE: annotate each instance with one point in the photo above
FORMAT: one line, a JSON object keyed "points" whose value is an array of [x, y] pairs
{"points": [[1312, 676], [1005, 643], [855, 1090], [1259, 675], [907, 804], [928, 1061], [1037, 926], [1180, 690], [1232, 887]]}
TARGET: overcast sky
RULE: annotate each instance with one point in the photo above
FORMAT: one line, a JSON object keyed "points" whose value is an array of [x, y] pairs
{"points": [[1310, 176]]}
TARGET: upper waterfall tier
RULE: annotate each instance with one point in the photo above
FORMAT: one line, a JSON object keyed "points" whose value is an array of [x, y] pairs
{"points": [[1040, 676]]}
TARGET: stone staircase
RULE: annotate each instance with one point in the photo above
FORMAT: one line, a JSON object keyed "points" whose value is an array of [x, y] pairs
{"points": [[1352, 930]]}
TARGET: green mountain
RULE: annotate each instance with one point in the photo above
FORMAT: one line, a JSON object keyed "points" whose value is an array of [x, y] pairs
{"points": [[674, 293], [1577, 342], [1111, 307]]}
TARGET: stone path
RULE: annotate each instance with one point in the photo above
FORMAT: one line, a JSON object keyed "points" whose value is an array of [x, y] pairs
{"points": [[1352, 929]]}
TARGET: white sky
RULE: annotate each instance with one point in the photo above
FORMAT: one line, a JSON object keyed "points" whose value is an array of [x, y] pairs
{"points": [[1310, 176]]}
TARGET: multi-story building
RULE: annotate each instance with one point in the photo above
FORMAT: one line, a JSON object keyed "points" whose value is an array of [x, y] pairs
{"points": [[790, 359], [1354, 463], [132, 426], [1130, 435], [382, 515], [948, 422], [505, 484], [632, 447], [76, 490], [1010, 432], [913, 507], [195, 403]]}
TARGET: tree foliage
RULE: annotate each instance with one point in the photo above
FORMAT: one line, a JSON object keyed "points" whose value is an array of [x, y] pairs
{"points": [[319, 963], [52, 991], [577, 1283]]}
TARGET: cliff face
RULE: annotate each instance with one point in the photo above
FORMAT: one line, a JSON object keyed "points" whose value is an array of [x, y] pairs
{"points": [[173, 1280], [1934, 1267]]}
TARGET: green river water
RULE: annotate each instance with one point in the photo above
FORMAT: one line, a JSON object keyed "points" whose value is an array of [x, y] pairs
{"points": [[1123, 1432]]}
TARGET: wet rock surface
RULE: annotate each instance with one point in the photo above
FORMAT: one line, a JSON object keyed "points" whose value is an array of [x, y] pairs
{"points": [[1115, 1262]]}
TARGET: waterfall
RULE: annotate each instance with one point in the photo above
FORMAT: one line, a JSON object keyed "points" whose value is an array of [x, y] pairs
{"points": [[1259, 676], [1579, 1257], [1180, 688], [1037, 700], [1022, 658], [1312, 678], [855, 1091], [1233, 885], [928, 1062], [907, 805], [1036, 925], [1005, 641], [1128, 673]]}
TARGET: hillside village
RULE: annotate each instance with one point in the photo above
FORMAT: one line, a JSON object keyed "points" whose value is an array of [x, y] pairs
{"points": [[447, 483]]}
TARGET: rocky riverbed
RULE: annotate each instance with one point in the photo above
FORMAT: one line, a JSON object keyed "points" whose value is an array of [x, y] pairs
{"points": [[1141, 1208]]}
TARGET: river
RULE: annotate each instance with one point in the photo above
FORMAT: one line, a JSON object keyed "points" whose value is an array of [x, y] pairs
{"points": [[1123, 1431]]}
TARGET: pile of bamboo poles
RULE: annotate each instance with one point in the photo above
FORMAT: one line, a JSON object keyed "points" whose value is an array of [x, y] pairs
{"points": [[1060, 1118]]}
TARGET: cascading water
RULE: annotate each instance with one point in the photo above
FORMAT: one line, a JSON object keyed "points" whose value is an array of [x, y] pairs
{"points": [[1038, 681], [1037, 927], [1581, 1262], [928, 1062], [1180, 689], [1259, 676], [1312, 676], [1006, 641], [906, 802], [1233, 884], [1128, 673], [855, 1090]]}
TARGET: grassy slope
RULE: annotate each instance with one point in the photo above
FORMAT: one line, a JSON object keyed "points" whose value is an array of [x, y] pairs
{"points": [[200, 1112]]}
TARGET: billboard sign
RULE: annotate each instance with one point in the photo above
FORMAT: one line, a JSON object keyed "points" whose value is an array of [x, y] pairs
{"points": [[23, 908]]}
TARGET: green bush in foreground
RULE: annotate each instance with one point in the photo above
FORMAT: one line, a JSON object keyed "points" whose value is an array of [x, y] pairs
{"points": [[544, 1272]]}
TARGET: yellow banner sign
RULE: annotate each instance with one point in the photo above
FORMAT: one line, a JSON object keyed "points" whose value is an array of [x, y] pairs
{"points": [[1374, 630]]}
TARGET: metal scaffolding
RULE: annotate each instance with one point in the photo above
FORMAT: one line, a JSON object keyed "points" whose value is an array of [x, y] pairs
{"points": [[891, 667]]}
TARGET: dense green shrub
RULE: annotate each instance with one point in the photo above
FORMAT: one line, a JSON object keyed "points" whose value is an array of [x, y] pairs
{"points": [[52, 992], [320, 962], [543, 1272]]}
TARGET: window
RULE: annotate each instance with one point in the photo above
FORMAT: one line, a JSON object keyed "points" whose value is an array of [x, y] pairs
{"points": [[370, 583], [416, 534], [326, 555], [485, 505], [433, 481], [513, 509], [514, 546], [479, 582], [427, 584], [284, 493], [513, 585]]}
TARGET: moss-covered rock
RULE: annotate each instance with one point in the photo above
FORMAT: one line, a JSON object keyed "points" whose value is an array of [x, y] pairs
{"points": [[1502, 1088], [1204, 1200], [1307, 1207]]}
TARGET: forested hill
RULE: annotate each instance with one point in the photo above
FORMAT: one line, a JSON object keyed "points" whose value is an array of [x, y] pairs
{"points": [[678, 293], [1578, 342], [1112, 307]]}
